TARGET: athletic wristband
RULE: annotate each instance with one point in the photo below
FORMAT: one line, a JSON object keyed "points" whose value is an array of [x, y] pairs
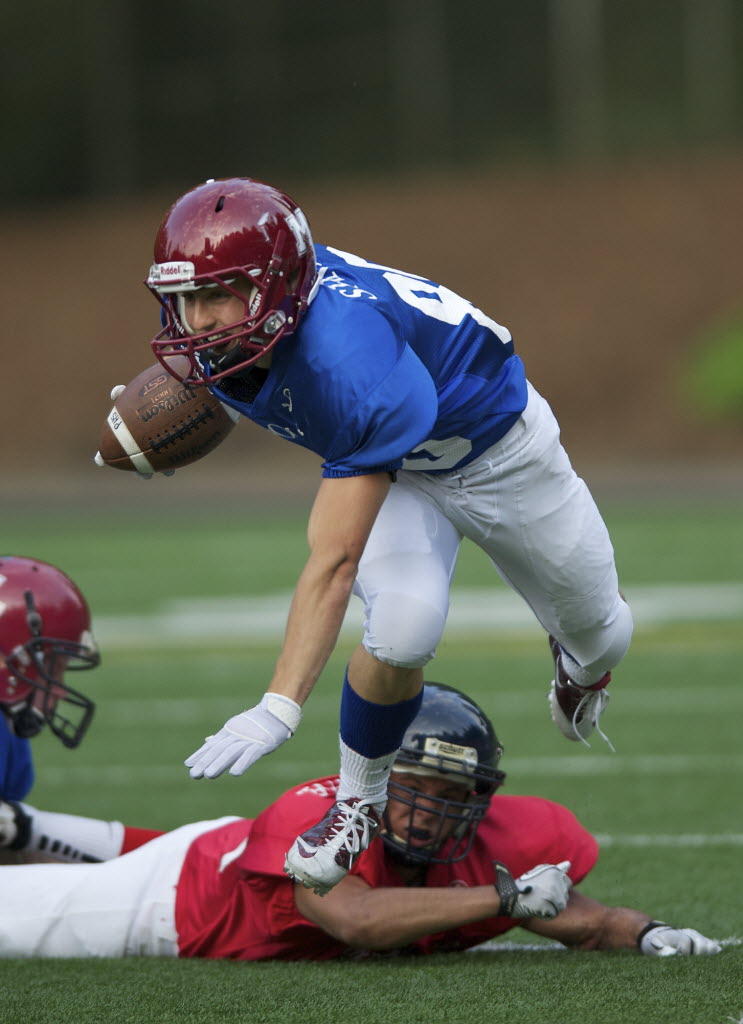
{"points": [[648, 928], [283, 708], [506, 888]]}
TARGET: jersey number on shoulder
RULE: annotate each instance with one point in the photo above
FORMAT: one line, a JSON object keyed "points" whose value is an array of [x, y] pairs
{"points": [[432, 299]]}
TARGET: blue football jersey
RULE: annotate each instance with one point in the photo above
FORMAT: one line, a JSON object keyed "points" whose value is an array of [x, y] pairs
{"points": [[388, 371], [16, 766]]}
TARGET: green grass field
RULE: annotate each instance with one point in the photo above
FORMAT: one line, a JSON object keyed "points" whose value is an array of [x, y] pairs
{"points": [[667, 806]]}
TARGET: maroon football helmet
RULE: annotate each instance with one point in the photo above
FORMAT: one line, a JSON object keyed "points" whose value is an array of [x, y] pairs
{"points": [[243, 236], [44, 632]]}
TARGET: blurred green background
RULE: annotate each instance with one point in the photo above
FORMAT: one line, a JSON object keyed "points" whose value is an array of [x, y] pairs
{"points": [[125, 97]]}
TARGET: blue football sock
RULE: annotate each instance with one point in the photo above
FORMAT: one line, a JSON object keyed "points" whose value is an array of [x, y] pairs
{"points": [[373, 730]]}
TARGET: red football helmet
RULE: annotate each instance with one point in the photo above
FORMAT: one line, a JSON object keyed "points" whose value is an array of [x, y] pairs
{"points": [[227, 233], [44, 632]]}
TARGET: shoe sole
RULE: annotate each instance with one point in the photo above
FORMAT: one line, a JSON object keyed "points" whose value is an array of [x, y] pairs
{"points": [[306, 880]]}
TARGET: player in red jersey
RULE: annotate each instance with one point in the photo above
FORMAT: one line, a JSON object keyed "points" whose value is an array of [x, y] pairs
{"points": [[453, 868]]}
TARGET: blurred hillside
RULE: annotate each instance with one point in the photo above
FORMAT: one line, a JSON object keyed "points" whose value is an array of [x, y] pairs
{"points": [[607, 279]]}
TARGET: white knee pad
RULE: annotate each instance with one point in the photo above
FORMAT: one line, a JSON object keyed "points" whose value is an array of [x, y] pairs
{"points": [[403, 630]]}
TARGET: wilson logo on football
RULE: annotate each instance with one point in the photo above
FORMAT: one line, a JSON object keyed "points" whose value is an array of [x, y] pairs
{"points": [[167, 404]]}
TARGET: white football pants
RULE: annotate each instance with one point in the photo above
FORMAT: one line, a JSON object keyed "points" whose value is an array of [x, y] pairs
{"points": [[525, 506], [121, 907]]}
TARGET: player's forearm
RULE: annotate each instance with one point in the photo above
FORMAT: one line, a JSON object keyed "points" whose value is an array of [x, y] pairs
{"points": [[341, 520], [392, 918], [587, 924], [315, 619], [619, 930]]}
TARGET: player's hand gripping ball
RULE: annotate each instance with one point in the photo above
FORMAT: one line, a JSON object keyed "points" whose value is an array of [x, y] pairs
{"points": [[158, 424]]}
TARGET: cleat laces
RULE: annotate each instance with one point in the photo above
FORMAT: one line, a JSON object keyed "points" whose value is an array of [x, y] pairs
{"points": [[593, 704]]}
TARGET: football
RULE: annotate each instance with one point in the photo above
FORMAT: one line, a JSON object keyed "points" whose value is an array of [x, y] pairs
{"points": [[158, 424]]}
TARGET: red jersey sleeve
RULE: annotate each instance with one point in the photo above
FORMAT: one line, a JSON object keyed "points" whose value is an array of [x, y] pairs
{"points": [[233, 900]]}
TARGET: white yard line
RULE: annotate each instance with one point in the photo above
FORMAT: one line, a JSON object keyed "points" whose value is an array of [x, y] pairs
{"points": [[123, 712], [625, 765], [684, 841], [473, 611], [494, 946], [287, 769]]}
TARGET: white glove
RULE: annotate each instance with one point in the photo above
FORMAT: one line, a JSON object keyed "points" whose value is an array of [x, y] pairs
{"points": [[658, 939], [246, 737], [541, 892]]}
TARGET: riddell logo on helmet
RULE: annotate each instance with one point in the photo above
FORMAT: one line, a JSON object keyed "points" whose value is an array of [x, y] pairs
{"points": [[439, 751], [177, 271]]}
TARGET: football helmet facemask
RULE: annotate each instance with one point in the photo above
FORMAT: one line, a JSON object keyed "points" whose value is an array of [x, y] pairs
{"points": [[44, 632], [249, 239], [451, 737]]}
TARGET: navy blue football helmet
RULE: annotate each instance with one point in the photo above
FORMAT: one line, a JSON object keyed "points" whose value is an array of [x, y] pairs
{"points": [[451, 737]]}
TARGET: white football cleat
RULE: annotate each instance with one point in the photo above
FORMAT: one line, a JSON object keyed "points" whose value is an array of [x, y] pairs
{"points": [[324, 854], [576, 709]]}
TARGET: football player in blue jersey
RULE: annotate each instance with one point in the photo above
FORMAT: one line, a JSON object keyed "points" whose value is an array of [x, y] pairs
{"points": [[429, 432]]}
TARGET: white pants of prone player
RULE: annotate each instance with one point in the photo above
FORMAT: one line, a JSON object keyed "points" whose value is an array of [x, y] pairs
{"points": [[525, 506], [121, 907]]}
